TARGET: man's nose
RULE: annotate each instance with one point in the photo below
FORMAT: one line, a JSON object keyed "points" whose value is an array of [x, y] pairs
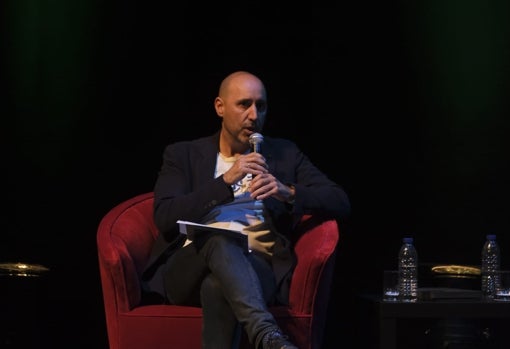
{"points": [[253, 112]]}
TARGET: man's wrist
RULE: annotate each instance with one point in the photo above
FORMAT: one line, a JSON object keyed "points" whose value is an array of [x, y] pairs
{"points": [[291, 199]]}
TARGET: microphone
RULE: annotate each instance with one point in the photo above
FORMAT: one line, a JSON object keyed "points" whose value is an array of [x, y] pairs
{"points": [[255, 140]]}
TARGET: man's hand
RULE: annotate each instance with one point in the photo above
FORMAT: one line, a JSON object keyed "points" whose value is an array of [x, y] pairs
{"points": [[265, 185], [253, 163]]}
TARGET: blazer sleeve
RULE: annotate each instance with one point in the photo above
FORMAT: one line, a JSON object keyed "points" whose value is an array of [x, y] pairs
{"points": [[186, 188]]}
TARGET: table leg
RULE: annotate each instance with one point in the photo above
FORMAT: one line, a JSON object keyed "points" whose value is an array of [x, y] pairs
{"points": [[388, 333]]}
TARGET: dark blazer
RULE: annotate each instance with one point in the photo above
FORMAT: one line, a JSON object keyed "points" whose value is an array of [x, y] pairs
{"points": [[186, 189]]}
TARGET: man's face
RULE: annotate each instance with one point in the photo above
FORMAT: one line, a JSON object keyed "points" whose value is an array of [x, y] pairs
{"points": [[243, 109]]}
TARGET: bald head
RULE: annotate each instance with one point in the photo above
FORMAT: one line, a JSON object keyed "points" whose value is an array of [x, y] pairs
{"points": [[237, 80]]}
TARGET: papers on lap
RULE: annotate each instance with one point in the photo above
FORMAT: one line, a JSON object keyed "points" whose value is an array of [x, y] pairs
{"points": [[198, 233]]}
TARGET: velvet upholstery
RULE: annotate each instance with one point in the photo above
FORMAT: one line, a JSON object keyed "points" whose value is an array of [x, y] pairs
{"points": [[124, 238]]}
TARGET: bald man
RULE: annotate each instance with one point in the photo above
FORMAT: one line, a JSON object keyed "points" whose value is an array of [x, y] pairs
{"points": [[219, 181]]}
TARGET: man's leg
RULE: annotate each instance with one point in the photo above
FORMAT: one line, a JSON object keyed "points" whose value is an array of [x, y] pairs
{"points": [[183, 275], [247, 282], [242, 287], [220, 329]]}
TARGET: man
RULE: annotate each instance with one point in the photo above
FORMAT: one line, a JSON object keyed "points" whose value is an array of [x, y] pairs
{"points": [[220, 181]]}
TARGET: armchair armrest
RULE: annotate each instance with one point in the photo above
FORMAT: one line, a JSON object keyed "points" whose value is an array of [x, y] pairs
{"points": [[315, 250], [123, 245]]}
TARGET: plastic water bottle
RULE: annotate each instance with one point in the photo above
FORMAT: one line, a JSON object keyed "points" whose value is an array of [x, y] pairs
{"points": [[491, 260], [408, 271]]}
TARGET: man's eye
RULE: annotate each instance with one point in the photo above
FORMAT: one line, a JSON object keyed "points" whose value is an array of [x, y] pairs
{"points": [[261, 107]]}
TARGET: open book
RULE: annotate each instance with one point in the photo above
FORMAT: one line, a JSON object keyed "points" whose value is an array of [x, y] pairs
{"points": [[198, 233]]}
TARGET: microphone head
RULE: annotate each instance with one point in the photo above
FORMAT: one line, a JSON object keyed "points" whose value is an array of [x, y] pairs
{"points": [[255, 140]]}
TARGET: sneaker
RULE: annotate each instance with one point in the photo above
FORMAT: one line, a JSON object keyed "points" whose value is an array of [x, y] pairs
{"points": [[275, 339]]}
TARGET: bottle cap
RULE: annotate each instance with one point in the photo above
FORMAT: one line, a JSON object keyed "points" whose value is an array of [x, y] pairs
{"points": [[491, 237], [407, 240]]}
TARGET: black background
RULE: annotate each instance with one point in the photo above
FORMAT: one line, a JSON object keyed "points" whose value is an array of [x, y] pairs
{"points": [[404, 104]]}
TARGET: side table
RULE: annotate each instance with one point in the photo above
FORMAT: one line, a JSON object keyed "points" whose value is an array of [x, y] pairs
{"points": [[22, 302], [457, 321]]}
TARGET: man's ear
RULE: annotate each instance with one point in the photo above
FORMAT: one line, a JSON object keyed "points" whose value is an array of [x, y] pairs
{"points": [[219, 106]]}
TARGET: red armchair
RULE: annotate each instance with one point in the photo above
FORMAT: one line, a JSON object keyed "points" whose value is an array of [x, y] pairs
{"points": [[124, 239]]}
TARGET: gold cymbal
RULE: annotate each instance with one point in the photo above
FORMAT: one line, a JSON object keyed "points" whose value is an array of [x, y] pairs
{"points": [[453, 269], [22, 269]]}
